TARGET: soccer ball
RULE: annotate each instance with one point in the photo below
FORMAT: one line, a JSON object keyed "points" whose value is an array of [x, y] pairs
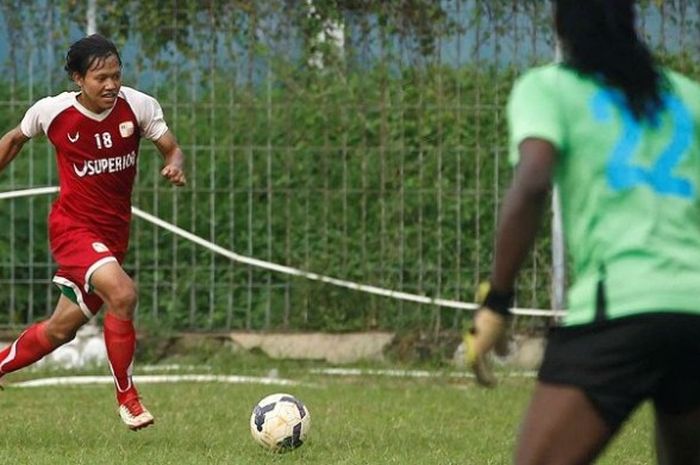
{"points": [[280, 422]]}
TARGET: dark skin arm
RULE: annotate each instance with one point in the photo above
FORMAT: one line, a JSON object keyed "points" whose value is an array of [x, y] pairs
{"points": [[520, 218], [522, 210]]}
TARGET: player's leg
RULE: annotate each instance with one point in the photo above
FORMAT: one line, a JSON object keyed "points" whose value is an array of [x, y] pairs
{"points": [[42, 338], [678, 438], [561, 427], [677, 400], [118, 291], [65, 321], [592, 377]]}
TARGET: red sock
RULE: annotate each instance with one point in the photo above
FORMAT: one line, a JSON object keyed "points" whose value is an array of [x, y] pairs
{"points": [[29, 347], [120, 339]]}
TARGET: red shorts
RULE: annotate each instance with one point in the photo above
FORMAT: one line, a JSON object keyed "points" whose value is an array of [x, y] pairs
{"points": [[79, 252]]}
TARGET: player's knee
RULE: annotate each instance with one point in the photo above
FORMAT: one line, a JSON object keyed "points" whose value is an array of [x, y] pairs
{"points": [[124, 301], [59, 334]]}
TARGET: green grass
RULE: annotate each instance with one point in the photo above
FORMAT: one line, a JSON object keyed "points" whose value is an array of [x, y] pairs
{"points": [[361, 420]]}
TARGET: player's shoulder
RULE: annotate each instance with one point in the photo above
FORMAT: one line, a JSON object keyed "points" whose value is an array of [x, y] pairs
{"points": [[548, 76], [55, 103], [546, 71], [682, 83], [134, 96], [686, 89], [143, 105]]}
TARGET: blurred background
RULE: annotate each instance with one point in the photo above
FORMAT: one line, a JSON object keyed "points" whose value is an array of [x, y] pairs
{"points": [[357, 139]]}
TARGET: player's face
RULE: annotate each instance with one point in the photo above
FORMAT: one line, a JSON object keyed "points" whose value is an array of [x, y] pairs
{"points": [[100, 85]]}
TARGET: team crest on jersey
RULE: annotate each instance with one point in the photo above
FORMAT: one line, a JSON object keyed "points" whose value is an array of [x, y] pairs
{"points": [[126, 129], [99, 247]]}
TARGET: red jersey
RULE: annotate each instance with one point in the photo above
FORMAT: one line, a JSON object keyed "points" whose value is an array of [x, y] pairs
{"points": [[96, 156]]}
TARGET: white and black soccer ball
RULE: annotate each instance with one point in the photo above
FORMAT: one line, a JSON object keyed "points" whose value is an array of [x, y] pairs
{"points": [[280, 422]]}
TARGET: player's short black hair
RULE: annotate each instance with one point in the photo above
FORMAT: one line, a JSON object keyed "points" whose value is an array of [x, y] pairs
{"points": [[599, 38], [83, 54]]}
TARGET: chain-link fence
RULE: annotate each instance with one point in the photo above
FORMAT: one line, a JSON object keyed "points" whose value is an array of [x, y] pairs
{"points": [[361, 140]]}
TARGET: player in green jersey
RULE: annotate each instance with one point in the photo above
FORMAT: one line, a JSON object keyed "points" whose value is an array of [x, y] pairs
{"points": [[618, 135]]}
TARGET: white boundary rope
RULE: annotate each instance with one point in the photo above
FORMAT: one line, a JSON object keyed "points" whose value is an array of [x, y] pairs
{"points": [[28, 192], [289, 270]]}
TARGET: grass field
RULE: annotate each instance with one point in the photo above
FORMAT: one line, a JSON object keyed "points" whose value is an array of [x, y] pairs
{"points": [[355, 420]]}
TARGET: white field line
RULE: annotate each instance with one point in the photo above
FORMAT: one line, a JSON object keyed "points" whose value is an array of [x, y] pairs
{"points": [[421, 299], [173, 367], [411, 373], [155, 379], [236, 379]]}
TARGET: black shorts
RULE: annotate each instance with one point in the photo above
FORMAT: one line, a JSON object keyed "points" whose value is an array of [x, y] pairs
{"points": [[622, 362]]}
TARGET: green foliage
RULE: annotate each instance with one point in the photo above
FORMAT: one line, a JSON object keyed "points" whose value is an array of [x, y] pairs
{"points": [[384, 167], [373, 178], [365, 178]]}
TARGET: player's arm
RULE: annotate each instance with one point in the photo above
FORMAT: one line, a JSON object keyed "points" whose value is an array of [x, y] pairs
{"points": [[521, 211], [10, 145], [519, 220], [173, 159]]}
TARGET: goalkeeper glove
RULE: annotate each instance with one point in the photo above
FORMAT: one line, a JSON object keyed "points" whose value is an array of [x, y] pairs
{"points": [[488, 332]]}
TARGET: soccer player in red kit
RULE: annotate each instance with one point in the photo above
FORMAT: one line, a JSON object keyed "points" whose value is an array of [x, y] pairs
{"points": [[96, 133]]}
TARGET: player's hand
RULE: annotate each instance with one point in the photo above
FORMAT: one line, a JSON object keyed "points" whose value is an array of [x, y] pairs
{"points": [[488, 328], [174, 174], [488, 332]]}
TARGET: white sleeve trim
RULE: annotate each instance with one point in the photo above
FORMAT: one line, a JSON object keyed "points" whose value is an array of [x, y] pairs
{"points": [[39, 116], [148, 111]]}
